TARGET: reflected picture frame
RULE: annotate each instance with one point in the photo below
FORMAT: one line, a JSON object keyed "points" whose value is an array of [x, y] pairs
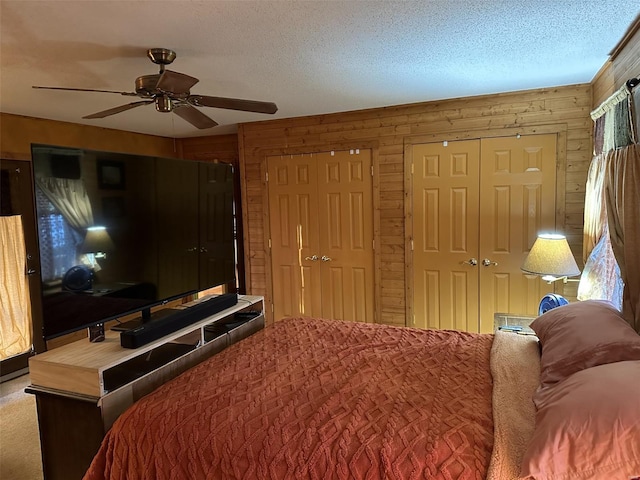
{"points": [[111, 175]]}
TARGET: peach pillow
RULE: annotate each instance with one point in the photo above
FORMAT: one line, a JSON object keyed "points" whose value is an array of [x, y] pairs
{"points": [[588, 427], [582, 335]]}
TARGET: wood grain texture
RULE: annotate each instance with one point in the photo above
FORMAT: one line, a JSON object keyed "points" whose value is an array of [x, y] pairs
{"points": [[564, 110], [623, 64], [18, 133], [80, 367]]}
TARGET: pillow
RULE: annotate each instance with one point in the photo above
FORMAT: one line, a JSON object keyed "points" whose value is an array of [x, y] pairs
{"points": [[587, 426], [582, 335]]}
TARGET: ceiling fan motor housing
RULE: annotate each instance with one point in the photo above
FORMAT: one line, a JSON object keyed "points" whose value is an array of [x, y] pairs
{"points": [[146, 85]]}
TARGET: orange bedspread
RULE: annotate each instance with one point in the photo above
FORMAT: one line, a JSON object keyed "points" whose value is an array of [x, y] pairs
{"points": [[316, 399]]}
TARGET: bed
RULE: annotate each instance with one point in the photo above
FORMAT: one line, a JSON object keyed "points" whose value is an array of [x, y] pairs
{"points": [[320, 399]]}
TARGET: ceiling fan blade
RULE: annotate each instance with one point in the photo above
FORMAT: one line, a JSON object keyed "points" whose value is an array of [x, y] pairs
{"points": [[232, 104], [128, 94], [174, 82], [194, 116], [121, 108]]}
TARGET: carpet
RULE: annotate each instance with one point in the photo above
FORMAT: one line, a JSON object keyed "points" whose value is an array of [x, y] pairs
{"points": [[20, 457]]}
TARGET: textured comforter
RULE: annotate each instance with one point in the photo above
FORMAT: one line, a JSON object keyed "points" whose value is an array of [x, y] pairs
{"points": [[316, 399]]}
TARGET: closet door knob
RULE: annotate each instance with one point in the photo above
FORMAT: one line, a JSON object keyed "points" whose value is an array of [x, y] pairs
{"points": [[325, 258], [313, 258], [472, 261], [486, 262]]}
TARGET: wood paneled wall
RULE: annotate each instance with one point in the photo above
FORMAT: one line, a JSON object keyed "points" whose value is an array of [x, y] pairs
{"points": [[387, 131], [221, 148], [17, 133], [623, 64]]}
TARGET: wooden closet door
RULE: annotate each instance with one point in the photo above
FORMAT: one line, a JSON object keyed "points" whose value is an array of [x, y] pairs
{"points": [[445, 235], [178, 243], [216, 200], [293, 222], [517, 201], [345, 217], [484, 200], [321, 235]]}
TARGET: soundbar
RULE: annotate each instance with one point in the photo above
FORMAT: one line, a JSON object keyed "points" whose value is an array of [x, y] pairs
{"points": [[148, 332]]}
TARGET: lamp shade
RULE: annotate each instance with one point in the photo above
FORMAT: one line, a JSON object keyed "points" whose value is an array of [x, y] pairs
{"points": [[97, 240], [551, 255]]}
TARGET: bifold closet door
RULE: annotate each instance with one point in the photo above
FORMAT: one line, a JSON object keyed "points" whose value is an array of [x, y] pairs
{"points": [[321, 235], [294, 235], [445, 235], [345, 215], [478, 206], [518, 200]]}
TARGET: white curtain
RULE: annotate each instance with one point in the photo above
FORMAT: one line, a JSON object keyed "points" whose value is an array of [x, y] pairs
{"points": [[70, 197], [15, 304]]}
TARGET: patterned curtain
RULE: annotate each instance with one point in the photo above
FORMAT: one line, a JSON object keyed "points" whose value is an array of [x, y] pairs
{"points": [[612, 208], [15, 305]]}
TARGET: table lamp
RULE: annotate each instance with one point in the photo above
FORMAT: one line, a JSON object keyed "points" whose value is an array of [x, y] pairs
{"points": [[551, 258], [97, 242]]}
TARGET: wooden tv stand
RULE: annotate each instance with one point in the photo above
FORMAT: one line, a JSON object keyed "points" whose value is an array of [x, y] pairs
{"points": [[82, 388]]}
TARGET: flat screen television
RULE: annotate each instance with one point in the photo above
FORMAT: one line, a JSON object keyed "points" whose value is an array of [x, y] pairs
{"points": [[121, 233]]}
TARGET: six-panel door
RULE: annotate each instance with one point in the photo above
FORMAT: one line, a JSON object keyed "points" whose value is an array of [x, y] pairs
{"points": [[478, 206], [321, 232]]}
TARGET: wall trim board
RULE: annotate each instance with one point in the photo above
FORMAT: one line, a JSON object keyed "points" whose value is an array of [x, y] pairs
{"points": [[491, 133], [627, 38], [18, 132], [15, 156], [446, 107]]}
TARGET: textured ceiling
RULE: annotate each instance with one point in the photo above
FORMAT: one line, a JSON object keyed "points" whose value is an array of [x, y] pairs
{"points": [[309, 57]]}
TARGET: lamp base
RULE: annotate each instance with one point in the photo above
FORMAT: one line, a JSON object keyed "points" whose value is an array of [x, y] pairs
{"points": [[551, 301]]}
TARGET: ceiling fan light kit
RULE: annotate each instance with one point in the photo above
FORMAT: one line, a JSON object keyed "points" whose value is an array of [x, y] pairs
{"points": [[170, 92]]}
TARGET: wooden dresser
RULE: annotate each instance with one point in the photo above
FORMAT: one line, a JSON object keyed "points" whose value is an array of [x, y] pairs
{"points": [[82, 388]]}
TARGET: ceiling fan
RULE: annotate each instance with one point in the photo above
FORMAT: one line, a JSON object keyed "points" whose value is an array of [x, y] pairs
{"points": [[169, 92]]}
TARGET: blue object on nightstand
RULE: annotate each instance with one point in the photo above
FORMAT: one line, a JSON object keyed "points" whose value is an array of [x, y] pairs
{"points": [[551, 301]]}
